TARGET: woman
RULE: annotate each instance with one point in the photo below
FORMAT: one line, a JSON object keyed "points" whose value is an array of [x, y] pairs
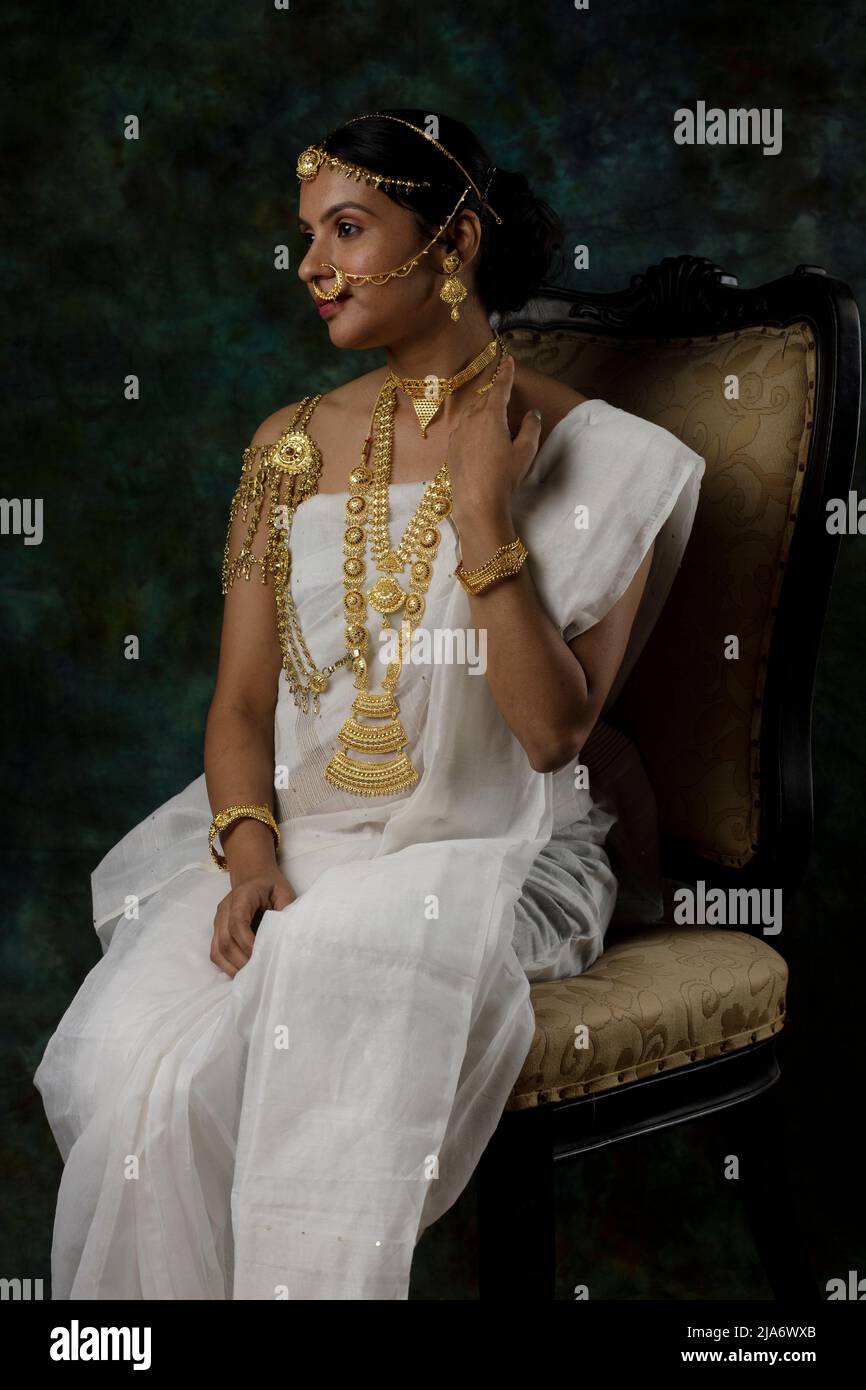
{"points": [[271, 1092]]}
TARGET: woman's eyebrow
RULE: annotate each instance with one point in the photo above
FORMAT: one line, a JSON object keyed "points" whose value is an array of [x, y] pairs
{"points": [[339, 207]]}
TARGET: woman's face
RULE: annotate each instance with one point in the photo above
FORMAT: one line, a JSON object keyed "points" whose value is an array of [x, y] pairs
{"points": [[353, 225]]}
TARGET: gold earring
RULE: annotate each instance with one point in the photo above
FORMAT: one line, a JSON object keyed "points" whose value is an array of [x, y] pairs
{"points": [[453, 292], [338, 288]]}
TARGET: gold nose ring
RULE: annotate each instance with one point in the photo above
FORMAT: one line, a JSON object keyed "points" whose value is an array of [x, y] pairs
{"points": [[338, 288]]}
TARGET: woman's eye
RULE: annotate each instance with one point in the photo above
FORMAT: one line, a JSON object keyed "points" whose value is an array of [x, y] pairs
{"points": [[353, 226]]}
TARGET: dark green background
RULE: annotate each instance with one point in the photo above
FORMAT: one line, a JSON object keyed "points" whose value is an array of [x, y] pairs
{"points": [[155, 257]]}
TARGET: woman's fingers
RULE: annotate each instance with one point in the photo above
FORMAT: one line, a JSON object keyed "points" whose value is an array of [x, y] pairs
{"points": [[281, 896], [233, 940], [526, 442], [229, 959], [245, 904], [218, 958], [238, 916]]}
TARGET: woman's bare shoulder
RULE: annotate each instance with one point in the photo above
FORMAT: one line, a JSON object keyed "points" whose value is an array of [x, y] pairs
{"points": [[544, 391], [340, 403], [536, 389]]}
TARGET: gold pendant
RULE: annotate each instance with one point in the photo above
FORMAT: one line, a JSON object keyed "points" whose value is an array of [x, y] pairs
{"points": [[453, 293], [386, 596], [421, 538], [370, 779], [366, 738], [426, 408], [376, 704]]}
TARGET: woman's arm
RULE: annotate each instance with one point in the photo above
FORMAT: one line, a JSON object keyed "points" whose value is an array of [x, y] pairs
{"points": [[549, 692], [239, 737], [239, 747]]}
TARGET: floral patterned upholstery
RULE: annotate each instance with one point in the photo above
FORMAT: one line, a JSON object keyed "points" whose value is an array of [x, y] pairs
{"points": [[662, 997], [700, 742], [658, 998]]}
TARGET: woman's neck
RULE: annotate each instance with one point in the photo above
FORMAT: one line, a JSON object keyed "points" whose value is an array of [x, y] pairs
{"points": [[445, 352]]}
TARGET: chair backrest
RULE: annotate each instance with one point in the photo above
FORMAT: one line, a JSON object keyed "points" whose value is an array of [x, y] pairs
{"points": [[765, 385]]}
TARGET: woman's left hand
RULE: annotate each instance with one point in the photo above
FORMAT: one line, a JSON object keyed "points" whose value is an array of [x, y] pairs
{"points": [[485, 465]]}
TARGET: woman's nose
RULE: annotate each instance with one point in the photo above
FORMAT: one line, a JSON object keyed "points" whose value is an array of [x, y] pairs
{"points": [[311, 268]]}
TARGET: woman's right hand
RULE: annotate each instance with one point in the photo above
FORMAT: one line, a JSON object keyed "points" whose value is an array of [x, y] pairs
{"points": [[239, 914]]}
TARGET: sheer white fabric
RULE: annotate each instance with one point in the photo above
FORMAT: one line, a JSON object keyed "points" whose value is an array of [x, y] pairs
{"points": [[291, 1132]]}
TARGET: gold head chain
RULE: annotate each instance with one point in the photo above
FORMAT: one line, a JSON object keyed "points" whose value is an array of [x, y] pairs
{"points": [[314, 157]]}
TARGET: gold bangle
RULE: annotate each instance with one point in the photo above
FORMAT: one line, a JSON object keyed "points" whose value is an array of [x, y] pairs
{"points": [[504, 562], [223, 819]]}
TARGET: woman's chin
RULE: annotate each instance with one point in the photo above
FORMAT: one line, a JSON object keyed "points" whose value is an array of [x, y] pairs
{"points": [[345, 334]]}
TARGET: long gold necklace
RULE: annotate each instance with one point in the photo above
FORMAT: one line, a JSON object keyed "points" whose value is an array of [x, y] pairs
{"points": [[365, 510], [288, 472]]}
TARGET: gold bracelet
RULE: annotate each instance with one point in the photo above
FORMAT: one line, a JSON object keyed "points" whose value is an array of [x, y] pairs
{"points": [[504, 562], [223, 819]]}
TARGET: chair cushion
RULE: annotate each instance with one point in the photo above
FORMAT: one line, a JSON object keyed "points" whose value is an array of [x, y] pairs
{"points": [[658, 998]]}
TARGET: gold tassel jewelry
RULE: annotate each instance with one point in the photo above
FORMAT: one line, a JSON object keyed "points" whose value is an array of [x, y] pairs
{"points": [[289, 470], [367, 509], [428, 393]]}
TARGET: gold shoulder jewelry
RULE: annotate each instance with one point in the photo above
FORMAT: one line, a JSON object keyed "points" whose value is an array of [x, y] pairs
{"points": [[223, 819], [288, 471], [427, 393]]}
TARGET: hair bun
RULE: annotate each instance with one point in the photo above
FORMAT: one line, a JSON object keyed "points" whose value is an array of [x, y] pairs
{"points": [[518, 255]]}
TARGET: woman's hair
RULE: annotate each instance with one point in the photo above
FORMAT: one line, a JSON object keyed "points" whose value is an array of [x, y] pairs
{"points": [[514, 259]]}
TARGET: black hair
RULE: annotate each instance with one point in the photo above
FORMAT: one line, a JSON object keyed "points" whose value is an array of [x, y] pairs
{"points": [[514, 259]]}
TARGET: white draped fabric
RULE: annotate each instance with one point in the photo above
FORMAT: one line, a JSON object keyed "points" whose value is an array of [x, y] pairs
{"points": [[290, 1133]]}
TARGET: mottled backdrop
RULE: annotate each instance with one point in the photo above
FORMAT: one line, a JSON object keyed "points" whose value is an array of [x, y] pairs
{"points": [[156, 257]]}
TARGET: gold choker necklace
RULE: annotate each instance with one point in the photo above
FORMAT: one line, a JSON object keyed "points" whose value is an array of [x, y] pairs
{"points": [[428, 393]]}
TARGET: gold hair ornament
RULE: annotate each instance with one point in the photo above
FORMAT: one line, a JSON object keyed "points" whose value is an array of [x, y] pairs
{"points": [[380, 115], [314, 157]]}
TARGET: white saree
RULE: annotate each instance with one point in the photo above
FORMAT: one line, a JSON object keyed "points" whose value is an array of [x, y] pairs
{"points": [[291, 1132]]}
